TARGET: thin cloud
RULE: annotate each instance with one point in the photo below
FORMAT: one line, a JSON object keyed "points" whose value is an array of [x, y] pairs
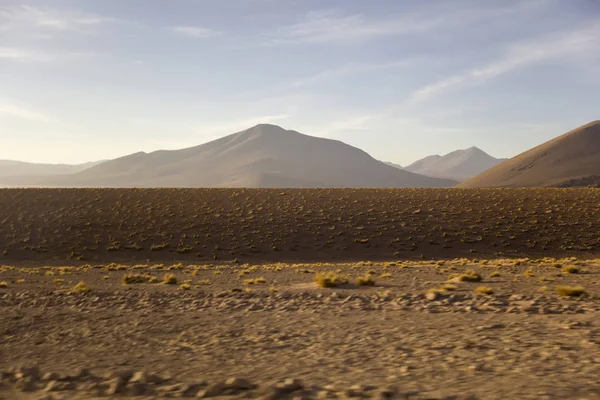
{"points": [[16, 54], [332, 26], [327, 26], [21, 112], [195, 32], [37, 56], [520, 55], [46, 19]]}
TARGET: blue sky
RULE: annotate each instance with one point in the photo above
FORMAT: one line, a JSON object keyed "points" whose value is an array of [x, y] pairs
{"points": [[82, 80]]}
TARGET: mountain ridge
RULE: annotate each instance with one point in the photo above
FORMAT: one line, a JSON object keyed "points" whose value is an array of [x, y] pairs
{"points": [[571, 159], [262, 156], [459, 164]]}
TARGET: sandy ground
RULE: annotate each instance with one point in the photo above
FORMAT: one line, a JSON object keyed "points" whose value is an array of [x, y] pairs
{"points": [[268, 331]]}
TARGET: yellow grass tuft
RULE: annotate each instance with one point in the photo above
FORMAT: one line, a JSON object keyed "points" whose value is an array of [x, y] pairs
{"points": [[81, 287], [570, 291], [170, 279], [330, 279], [484, 290], [366, 280]]}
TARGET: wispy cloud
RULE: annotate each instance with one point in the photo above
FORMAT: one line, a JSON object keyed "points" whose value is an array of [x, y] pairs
{"points": [[333, 26], [16, 54], [51, 20], [195, 31], [327, 26], [343, 71], [17, 111], [584, 41], [38, 56]]}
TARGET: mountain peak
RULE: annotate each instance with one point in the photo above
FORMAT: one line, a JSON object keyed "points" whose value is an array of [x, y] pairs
{"points": [[459, 164]]}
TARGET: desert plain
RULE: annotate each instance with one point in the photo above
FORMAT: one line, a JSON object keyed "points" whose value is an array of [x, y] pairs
{"points": [[300, 294]]}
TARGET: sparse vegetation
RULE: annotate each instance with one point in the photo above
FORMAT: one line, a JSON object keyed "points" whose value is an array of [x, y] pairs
{"points": [[570, 291], [366, 280], [469, 275], [484, 290], [570, 270], [81, 287], [170, 279], [330, 280]]}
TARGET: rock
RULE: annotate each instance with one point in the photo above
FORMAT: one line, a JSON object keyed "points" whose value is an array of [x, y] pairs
{"points": [[216, 389], [291, 385], [190, 389], [116, 386], [139, 377], [28, 372], [26, 384], [283, 389], [124, 374], [81, 373], [57, 386], [51, 376], [431, 296], [239, 384]]}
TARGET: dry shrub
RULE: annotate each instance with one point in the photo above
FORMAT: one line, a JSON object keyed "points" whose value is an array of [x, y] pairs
{"points": [[81, 287], [170, 279], [330, 279], [570, 291]]}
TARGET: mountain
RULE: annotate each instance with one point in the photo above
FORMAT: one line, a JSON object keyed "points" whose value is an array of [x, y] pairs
{"points": [[262, 156], [572, 159], [459, 165], [391, 164], [17, 169]]}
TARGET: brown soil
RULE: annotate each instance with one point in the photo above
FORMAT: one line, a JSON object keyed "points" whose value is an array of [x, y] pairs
{"points": [[523, 341], [58, 226]]}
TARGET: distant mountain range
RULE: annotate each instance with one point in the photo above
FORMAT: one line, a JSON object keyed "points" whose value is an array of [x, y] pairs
{"points": [[271, 157], [19, 169], [458, 165], [570, 160], [262, 156]]}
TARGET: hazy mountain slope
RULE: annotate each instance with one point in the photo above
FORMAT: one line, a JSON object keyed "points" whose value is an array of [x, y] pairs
{"points": [[572, 159], [391, 164], [459, 165], [9, 168], [262, 156]]}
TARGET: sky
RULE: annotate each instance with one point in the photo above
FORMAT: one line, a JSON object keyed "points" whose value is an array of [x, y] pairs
{"points": [[85, 80]]}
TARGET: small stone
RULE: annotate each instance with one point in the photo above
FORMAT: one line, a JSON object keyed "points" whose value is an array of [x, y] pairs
{"points": [[26, 384], [116, 386], [51, 376], [216, 389], [124, 374], [239, 384], [57, 386], [431, 296], [28, 372], [291, 385], [190, 389], [140, 377]]}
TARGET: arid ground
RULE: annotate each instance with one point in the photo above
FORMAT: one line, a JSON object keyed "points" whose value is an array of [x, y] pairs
{"points": [[287, 225], [300, 294]]}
